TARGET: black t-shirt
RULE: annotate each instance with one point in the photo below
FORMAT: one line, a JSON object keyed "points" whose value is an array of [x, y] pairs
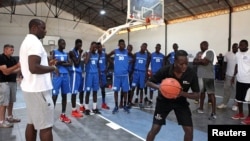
{"points": [[188, 80], [9, 62]]}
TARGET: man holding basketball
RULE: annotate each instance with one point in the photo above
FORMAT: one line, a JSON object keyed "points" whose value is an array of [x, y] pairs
{"points": [[187, 79]]}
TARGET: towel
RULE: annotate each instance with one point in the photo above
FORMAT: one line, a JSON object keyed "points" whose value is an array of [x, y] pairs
{"points": [[247, 98], [215, 57]]}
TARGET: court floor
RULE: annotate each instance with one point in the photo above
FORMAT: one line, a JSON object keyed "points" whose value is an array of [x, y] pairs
{"points": [[121, 126]]}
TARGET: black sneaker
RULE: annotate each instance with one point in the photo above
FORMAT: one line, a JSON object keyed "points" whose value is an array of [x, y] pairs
{"points": [[96, 111], [146, 100], [126, 109], [87, 112], [115, 110], [212, 116]]}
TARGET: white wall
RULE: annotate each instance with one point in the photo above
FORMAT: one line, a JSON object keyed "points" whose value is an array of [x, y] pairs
{"points": [[190, 34], [14, 32]]}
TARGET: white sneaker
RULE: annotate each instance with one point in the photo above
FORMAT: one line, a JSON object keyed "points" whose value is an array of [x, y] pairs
{"points": [[235, 108], [222, 106], [200, 111]]}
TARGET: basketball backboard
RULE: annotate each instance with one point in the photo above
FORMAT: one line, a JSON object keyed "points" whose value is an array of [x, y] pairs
{"points": [[140, 10]]}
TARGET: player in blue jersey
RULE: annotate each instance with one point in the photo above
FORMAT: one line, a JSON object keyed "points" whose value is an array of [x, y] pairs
{"points": [[170, 56], [157, 61], [142, 59], [102, 73], [60, 80], [75, 73], [121, 78], [130, 72], [91, 62]]}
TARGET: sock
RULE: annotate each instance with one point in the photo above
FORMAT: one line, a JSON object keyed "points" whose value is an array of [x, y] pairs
{"points": [[94, 105], [81, 105], [86, 106], [73, 109]]}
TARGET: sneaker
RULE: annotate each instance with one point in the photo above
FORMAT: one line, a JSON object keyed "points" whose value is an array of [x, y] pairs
{"points": [[235, 108], [87, 112], [238, 116], [82, 109], [196, 101], [150, 102], [222, 106], [146, 100], [6, 124], [64, 118], [246, 121], [212, 116], [96, 111], [105, 106], [136, 100], [12, 119], [76, 114], [200, 111], [115, 110], [126, 109]]}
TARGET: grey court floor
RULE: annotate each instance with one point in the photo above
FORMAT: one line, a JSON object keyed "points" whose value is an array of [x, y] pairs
{"points": [[121, 126]]}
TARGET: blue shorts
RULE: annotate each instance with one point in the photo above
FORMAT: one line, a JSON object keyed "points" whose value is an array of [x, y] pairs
{"points": [[91, 82], [75, 82], [139, 79], [121, 82], [103, 79], [61, 82]]}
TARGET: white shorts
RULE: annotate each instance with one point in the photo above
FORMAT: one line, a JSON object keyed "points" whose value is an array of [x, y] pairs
{"points": [[40, 109]]}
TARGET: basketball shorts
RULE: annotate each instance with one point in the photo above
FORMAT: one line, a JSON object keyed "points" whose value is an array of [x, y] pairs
{"points": [[103, 79], [91, 82], [163, 108], [241, 90], [61, 82], [40, 109], [121, 82], [75, 82], [139, 79]]}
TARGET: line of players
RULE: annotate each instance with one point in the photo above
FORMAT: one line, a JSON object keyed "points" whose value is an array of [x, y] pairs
{"points": [[79, 72]]}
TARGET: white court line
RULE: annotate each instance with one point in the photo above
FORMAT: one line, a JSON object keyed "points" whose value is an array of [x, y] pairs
{"points": [[122, 128]]}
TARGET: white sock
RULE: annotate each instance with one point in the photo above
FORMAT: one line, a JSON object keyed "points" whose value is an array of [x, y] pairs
{"points": [[87, 106], [73, 109], [94, 105]]}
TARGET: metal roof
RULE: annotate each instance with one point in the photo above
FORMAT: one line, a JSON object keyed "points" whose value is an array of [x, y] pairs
{"points": [[116, 10]]}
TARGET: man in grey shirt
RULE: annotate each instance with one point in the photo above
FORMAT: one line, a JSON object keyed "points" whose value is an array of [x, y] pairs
{"points": [[205, 61]]}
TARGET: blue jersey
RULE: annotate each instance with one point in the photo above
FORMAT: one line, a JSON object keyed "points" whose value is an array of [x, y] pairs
{"points": [[121, 62], [73, 67], [92, 65], [156, 61], [61, 56], [102, 62], [140, 61], [171, 57]]}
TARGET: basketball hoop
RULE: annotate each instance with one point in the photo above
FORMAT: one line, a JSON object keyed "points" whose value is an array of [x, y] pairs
{"points": [[153, 20]]}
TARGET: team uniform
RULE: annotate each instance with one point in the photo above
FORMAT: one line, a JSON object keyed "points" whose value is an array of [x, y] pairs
{"points": [[171, 57], [75, 73], [140, 69], [156, 62], [121, 78], [92, 76], [61, 80]]}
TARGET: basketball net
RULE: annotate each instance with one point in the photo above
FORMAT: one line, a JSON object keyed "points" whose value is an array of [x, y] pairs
{"points": [[153, 20]]}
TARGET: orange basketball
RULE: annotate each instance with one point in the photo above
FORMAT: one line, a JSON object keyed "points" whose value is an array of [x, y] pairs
{"points": [[170, 88]]}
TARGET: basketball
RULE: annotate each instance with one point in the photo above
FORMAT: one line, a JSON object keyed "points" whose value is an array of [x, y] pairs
{"points": [[170, 88]]}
